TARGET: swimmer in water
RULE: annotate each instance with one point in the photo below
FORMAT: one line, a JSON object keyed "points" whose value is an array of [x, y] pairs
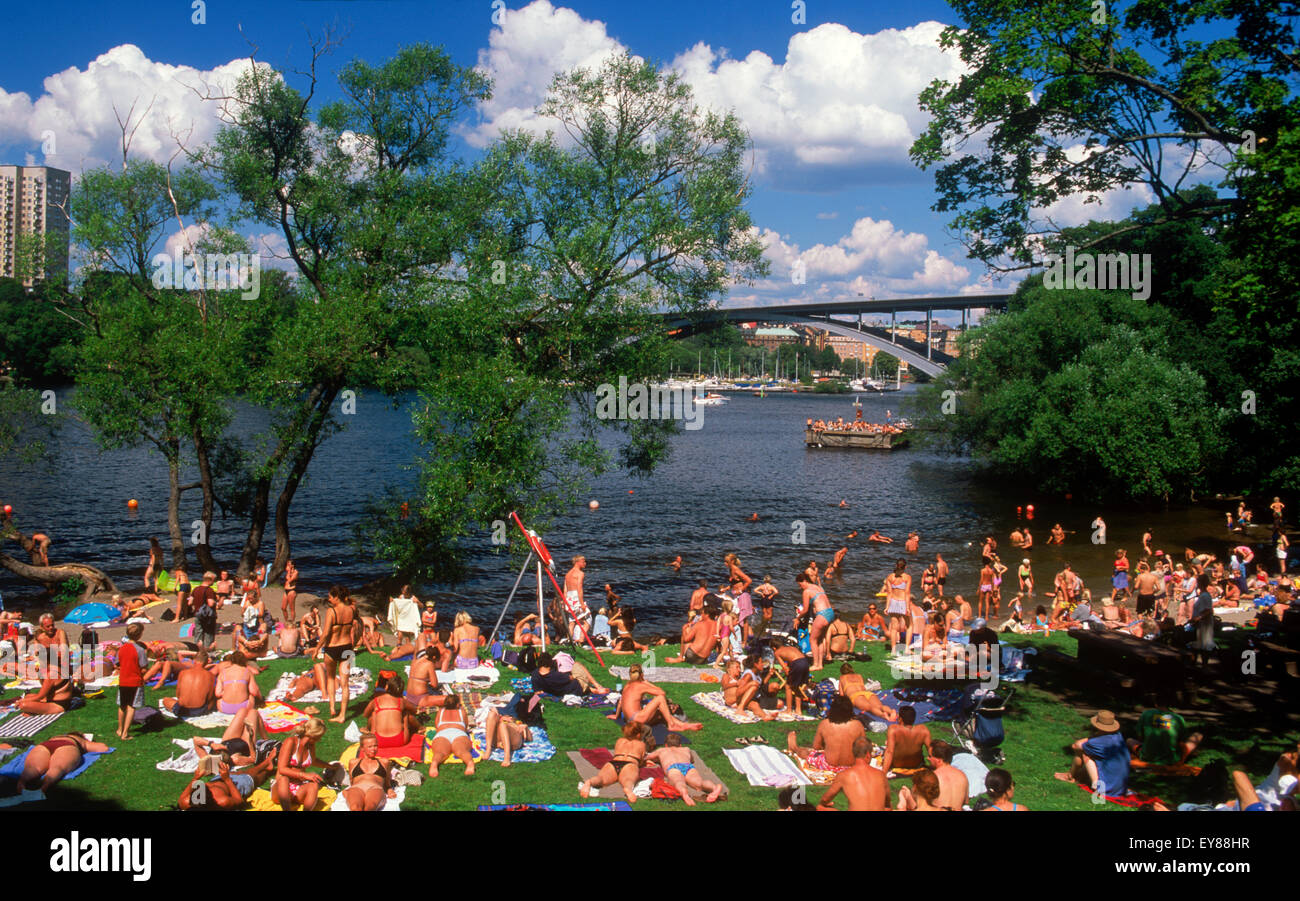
{"points": [[834, 565], [844, 504], [853, 534], [753, 517], [877, 537], [676, 564]]}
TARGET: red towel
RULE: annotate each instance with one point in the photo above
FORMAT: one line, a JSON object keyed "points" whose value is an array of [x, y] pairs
{"points": [[413, 749], [1132, 799]]}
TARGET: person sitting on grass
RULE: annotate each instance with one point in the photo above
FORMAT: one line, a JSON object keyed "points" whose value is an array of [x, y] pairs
{"points": [[832, 747], [309, 626], [1101, 761], [195, 689], [741, 685], [528, 629], [629, 753], [864, 786], [634, 707], [422, 690], [904, 743], [854, 688], [371, 777], [236, 688], [245, 740], [1001, 791], [623, 642], [251, 637], [873, 625], [391, 717], [228, 790], [1163, 738], [681, 773], [1276, 792], [294, 786], [923, 793], [451, 737], [699, 638], [561, 675], [954, 787]]}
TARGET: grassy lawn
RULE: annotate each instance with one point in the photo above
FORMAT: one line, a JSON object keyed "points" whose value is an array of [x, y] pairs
{"points": [[1039, 726]]}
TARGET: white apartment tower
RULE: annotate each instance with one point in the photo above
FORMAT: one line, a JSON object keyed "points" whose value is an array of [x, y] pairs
{"points": [[33, 201]]}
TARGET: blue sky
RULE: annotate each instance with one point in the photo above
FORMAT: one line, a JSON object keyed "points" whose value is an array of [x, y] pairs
{"points": [[830, 103]]}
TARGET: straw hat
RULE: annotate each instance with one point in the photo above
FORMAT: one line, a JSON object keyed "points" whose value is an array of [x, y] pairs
{"points": [[1104, 721]]}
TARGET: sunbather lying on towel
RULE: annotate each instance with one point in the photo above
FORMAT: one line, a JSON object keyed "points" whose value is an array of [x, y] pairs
{"points": [[832, 747], [509, 727], [681, 773], [451, 737], [855, 689], [228, 790], [629, 753], [391, 717], [54, 758], [635, 707], [245, 741], [371, 777]]}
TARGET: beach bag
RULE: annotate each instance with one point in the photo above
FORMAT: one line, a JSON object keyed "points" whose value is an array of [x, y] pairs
{"points": [[528, 659], [823, 694], [805, 641], [206, 618], [510, 658]]}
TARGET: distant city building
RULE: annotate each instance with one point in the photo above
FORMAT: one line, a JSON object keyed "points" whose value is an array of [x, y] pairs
{"points": [[772, 338], [33, 201]]}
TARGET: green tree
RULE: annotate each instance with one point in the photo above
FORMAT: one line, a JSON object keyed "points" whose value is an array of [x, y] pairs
{"points": [[37, 341]]}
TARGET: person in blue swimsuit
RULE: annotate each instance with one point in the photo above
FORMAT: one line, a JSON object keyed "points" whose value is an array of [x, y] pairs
{"points": [[681, 772], [823, 614]]}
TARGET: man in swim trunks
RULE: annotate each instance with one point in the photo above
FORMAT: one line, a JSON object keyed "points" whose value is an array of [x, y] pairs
{"points": [[636, 709], [940, 573], [574, 603], [698, 640], [904, 743], [698, 595], [196, 689], [832, 747], [336, 645], [1145, 586], [865, 787], [855, 689], [796, 666], [681, 773]]}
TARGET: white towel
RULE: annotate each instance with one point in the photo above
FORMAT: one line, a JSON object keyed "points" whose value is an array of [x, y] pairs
{"points": [[759, 764], [389, 803]]}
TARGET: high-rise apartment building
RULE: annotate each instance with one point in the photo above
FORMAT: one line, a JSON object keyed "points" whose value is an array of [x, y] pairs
{"points": [[33, 201]]}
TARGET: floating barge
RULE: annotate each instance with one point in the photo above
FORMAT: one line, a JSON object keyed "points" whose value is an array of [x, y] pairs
{"points": [[855, 438]]}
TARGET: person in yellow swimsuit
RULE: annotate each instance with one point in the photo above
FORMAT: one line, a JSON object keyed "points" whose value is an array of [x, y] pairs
{"points": [[853, 688]]}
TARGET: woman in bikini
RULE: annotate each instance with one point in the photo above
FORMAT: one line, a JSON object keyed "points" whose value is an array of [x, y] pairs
{"points": [[235, 686], [295, 787], [451, 737], [528, 630], [935, 641], [290, 591], [391, 717], [54, 758], [371, 777], [422, 691], [336, 646], [509, 728], [182, 592], [898, 591], [155, 565], [628, 755], [1001, 790], [466, 637], [823, 614]]}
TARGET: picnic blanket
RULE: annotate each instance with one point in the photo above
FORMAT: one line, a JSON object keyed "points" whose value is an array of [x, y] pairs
{"points": [[713, 701], [596, 805], [261, 800], [426, 752], [486, 670], [766, 767], [942, 704], [23, 726], [670, 673], [358, 685]]}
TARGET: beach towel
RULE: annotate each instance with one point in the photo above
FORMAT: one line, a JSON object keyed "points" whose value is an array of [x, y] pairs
{"points": [[592, 806], [669, 673], [589, 763], [389, 803], [664, 790], [763, 766], [477, 674], [426, 749], [206, 721], [975, 771], [712, 701], [23, 726], [939, 705], [280, 717], [535, 751], [187, 760], [14, 767], [358, 685], [261, 800], [1132, 799], [1165, 769]]}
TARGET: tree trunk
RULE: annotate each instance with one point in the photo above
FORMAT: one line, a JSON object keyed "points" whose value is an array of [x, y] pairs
{"points": [[95, 579], [204, 550], [174, 504], [293, 480]]}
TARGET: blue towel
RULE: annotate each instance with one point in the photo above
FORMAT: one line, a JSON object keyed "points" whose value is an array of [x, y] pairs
{"points": [[14, 767]]}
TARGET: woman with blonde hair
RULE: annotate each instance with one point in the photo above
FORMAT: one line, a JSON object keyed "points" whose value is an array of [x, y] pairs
{"points": [[371, 777], [294, 786], [466, 641]]}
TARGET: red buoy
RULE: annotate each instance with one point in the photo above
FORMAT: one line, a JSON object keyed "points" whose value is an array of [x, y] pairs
{"points": [[133, 503]]}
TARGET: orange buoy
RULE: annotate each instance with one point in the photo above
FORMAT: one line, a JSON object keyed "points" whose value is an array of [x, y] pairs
{"points": [[1029, 512], [630, 491], [1019, 511], [594, 505], [133, 503]]}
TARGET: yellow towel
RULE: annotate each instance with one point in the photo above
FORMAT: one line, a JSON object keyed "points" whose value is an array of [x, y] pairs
{"points": [[261, 800]]}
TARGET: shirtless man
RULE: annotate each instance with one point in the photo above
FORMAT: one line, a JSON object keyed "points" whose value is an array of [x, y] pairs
{"points": [[336, 645], [1145, 587], [309, 627], [865, 787], [676, 564], [878, 538], [795, 666], [953, 784], [574, 603], [288, 641], [224, 588], [832, 747], [985, 596], [940, 572], [853, 688], [1067, 587], [1029, 539], [681, 773], [834, 566], [1057, 535], [636, 709], [697, 596], [913, 542], [40, 549], [1147, 538], [905, 741], [698, 640]]}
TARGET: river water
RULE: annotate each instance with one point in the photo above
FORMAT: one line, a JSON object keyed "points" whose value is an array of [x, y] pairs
{"points": [[748, 457]]}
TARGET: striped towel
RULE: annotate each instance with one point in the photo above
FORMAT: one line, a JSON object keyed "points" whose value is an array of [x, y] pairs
{"points": [[712, 700], [24, 726], [766, 767]]}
